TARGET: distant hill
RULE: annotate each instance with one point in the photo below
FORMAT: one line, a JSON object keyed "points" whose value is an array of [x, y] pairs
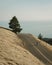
{"points": [[48, 40], [23, 49]]}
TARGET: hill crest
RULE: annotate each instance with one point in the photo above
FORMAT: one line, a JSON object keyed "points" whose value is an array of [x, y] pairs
{"points": [[11, 53], [24, 44]]}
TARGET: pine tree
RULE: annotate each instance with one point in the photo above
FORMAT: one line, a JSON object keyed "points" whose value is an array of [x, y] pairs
{"points": [[40, 36], [14, 25]]}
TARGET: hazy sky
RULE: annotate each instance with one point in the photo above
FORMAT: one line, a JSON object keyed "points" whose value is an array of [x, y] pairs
{"points": [[26, 10]]}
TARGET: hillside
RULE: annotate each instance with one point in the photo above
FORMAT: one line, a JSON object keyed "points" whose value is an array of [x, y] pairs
{"points": [[38, 48], [23, 49], [13, 54]]}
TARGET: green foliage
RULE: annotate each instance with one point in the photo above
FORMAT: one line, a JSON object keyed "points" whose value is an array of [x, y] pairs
{"points": [[40, 36], [14, 25], [48, 40]]}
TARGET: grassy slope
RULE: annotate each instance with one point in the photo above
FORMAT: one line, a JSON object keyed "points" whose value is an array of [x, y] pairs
{"points": [[12, 52], [33, 45]]}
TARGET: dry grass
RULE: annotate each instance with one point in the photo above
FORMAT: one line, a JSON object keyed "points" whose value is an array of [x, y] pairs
{"points": [[13, 54], [46, 45], [35, 46]]}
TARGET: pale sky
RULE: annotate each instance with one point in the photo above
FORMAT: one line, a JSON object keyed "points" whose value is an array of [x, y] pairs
{"points": [[26, 10]]}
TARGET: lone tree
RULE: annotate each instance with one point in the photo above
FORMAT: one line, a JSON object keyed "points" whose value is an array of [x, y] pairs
{"points": [[40, 36], [14, 25]]}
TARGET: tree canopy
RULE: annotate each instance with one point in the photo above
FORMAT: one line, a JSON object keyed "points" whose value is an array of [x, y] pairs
{"points": [[40, 36], [14, 25]]}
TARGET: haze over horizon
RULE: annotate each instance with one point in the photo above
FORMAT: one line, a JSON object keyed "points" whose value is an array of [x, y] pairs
{"points": [[29, 13], [26, 10]]}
